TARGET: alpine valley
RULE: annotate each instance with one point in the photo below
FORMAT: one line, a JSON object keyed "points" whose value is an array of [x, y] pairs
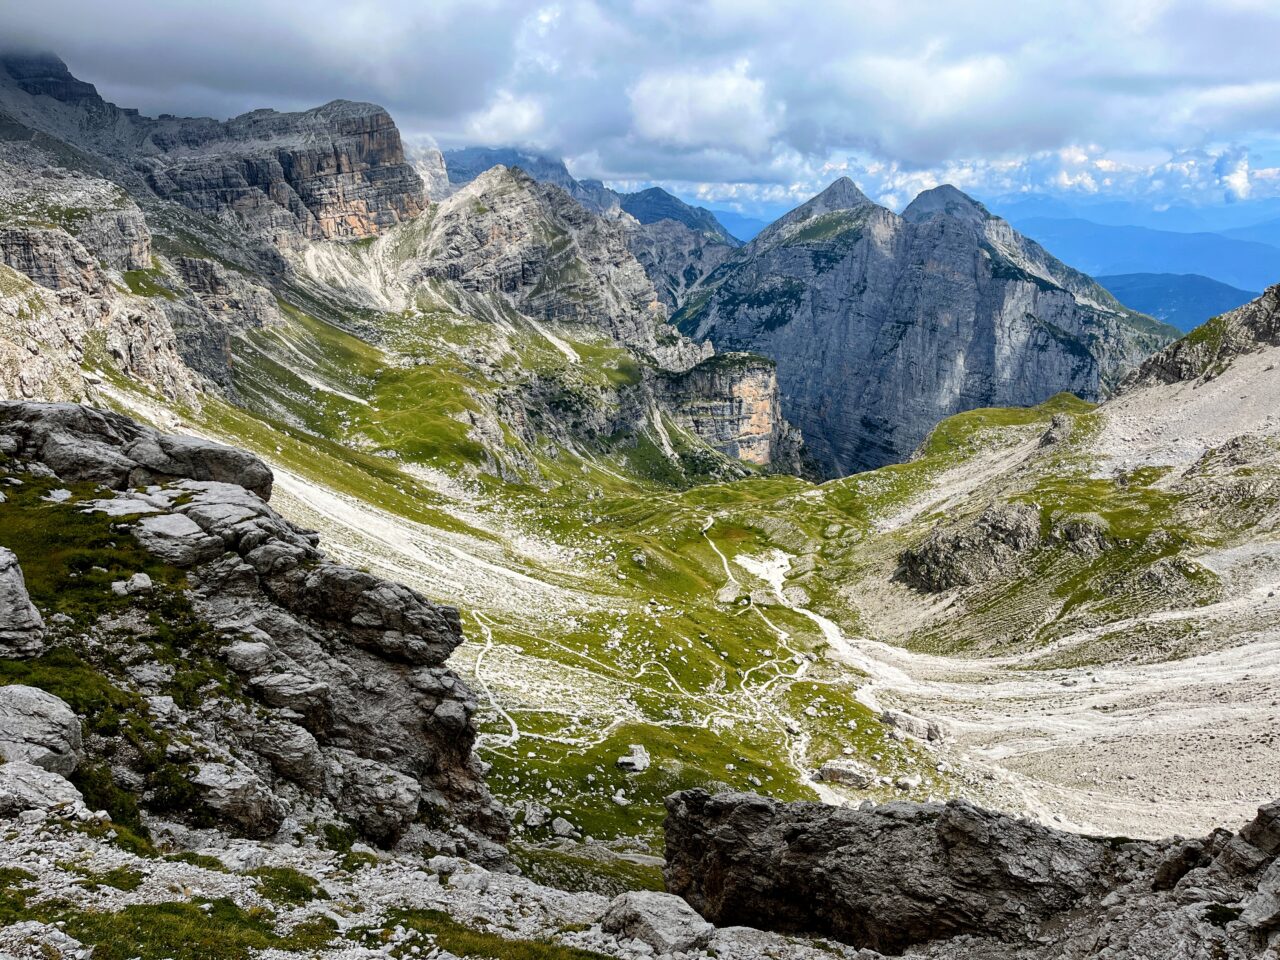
{"points": [[407, 553]]}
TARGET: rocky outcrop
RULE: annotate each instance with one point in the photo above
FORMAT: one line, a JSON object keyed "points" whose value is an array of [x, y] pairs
{"points": [[336, 172], [975, 552], [342, 705], [1207, 350], [882, 325], [80, 443], [21, 626], [505, 233], [955, 881], [731, 402]]}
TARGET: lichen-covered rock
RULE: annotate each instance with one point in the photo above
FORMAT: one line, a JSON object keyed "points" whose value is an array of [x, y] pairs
{"points": [[39, 728], [21, 626], [967, 554]]}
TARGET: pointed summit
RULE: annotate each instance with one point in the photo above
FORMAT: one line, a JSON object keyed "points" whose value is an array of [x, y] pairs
{"points": [[946, 200], [842, 194]]}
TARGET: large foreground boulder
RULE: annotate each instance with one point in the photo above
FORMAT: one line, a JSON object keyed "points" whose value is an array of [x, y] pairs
{"points": [[325, 691], [954, 882], [24, 786], [885, 878]]}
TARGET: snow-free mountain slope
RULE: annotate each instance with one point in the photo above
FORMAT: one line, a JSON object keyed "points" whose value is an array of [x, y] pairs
{"points": [[882, 325]]}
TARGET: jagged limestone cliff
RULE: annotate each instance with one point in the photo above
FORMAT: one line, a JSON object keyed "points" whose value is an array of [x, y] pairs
{"points": [[882, 325]]}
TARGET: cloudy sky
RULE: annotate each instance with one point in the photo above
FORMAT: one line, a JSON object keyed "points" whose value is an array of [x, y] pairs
{"points": [[750, 104]]}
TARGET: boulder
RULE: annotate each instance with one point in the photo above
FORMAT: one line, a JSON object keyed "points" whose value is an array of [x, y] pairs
{"points": [[176, 539], [24, 786], [885, 878], [39, 728], [240, 799], [847, 772], [21, 626], [664, 922], [917, 727], [637, 761]]}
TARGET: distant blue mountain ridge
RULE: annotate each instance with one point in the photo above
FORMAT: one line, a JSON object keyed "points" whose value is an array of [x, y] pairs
{"points": [[1102, 249], [1185, 300]]}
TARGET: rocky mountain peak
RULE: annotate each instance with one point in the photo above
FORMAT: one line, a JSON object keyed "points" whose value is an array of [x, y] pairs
{"points": [[655, 205], [946, 200], [41, 73], [842, 194]]}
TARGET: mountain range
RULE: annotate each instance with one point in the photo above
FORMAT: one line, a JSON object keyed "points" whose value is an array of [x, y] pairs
{"points": [[1184, 300], [416, 553]]}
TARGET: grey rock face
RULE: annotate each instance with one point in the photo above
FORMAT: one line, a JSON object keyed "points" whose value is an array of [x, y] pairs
{"points": [[21, 626], [24, 786], [1211, 347], [663, 921], [961, 556], [507, 233], [39, 728], [731, 402], [52, 258], [886, 878], [955, 882], [334, 172], [80, 443], [676, 257], [883, 325]]}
